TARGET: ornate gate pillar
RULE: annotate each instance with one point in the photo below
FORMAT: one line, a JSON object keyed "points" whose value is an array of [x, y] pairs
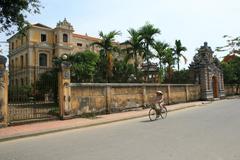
{"points": [[206, 71], [3, 92], [64, 91]]}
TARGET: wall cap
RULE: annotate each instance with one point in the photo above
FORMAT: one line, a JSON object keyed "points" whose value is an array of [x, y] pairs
{"points": [[127, 84]]}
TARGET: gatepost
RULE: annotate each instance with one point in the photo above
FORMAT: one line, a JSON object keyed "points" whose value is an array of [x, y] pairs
{"points": [[64, 90], [3, 92]]}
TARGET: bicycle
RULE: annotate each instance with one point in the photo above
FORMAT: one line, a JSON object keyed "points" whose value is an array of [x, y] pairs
{"points": [[156, 111]]}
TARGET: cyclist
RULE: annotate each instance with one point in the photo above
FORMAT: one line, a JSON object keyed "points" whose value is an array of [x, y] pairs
{"points": [[160, 99]]}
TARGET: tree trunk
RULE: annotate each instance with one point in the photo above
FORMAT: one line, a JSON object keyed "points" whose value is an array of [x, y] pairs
{"points": [[147, 62], [178, 63], [109, 67], [160, 70], [135, 66]]}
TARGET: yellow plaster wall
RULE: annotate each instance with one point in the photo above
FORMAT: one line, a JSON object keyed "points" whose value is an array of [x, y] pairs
{"points": [[35, 36], [86, 99], [231, 90]]}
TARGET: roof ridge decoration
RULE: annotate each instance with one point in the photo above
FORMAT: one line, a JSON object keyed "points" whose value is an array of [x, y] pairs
{"points": [[204, 55], [65, 25]]}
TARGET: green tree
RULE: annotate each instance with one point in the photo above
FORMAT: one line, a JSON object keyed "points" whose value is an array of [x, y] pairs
{"points": [[14, 13], [181, 77], [147, 32], [47, 84], [108, 48], [83, 66], [122, 72], [134, 48], [233, 45], [178, 48], [101, 72], [161, 49], [231, 69], [169, 60], [231, 72]]}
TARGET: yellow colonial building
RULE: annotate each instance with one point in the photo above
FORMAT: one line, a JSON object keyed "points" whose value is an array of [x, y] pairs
{"points": [[32, 52]]}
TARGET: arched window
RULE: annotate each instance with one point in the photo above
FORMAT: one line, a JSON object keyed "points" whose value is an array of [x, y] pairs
{"points": [[42, 59], [65, 37]]}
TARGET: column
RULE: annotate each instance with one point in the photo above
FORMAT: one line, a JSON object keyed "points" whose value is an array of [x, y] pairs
{"points": [[169, 94], [144, 96], [64, 91], [3, 92], [108, 99], [186, 92]]}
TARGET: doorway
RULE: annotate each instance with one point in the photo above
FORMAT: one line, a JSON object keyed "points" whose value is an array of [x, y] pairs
{"points": [[215, 86]]}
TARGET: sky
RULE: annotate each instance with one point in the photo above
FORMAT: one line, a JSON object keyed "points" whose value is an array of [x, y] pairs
{"points": [[191, 21]]}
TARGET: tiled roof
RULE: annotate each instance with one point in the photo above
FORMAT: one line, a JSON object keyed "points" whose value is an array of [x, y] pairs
{"points": [[41, 25], [86, 37], [90, 38], [229, 57]]}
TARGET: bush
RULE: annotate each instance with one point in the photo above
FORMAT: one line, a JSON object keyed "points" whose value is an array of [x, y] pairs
{"points": [[181, 77]]}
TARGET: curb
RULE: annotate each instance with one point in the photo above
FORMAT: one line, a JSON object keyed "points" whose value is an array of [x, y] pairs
{"points": [[89, 125]]}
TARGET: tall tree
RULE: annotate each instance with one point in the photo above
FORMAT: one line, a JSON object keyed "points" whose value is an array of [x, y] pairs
{"points": [[161, 49], [122, 71], [134, 48], [233, 45], [169, 60], [83, 66], [108, 47], [14, 13], [231, 71], [147, 32], [178, 48]]}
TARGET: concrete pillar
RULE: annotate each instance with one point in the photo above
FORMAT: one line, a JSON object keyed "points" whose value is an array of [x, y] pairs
{"points": [[222, 78], [108, 99], [64, 91], [169, 94], [3, 92], [223, 88], [205, 93], [186, 93], [144, 97]]}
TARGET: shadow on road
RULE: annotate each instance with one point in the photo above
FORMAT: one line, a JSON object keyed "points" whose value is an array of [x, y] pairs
{"points": [[145, 121]]}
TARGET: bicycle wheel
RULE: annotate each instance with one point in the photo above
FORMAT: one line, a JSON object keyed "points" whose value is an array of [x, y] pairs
{"points": [[152, 114], [163, 112]]}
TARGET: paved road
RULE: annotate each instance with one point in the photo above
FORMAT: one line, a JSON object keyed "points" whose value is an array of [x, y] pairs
{"points": [[210, 132]]}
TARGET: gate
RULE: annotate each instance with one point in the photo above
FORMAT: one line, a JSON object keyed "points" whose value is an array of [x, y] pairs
{"points": [[32, 94]]}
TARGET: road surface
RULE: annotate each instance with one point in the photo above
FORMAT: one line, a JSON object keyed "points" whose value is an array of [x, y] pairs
{"points": [[209, 132]]}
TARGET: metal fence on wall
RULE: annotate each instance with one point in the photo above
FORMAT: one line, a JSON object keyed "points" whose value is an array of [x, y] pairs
{"points": [[32, 93]]}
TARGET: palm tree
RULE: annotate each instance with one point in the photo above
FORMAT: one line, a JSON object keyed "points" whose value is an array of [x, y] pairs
{"points": [[169, 60], [147, 32], [108, 47], [161, 49], [134, 48], [177, 52]]}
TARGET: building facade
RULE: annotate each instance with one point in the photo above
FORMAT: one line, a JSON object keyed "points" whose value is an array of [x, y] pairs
{"points": [[32, 52]]}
